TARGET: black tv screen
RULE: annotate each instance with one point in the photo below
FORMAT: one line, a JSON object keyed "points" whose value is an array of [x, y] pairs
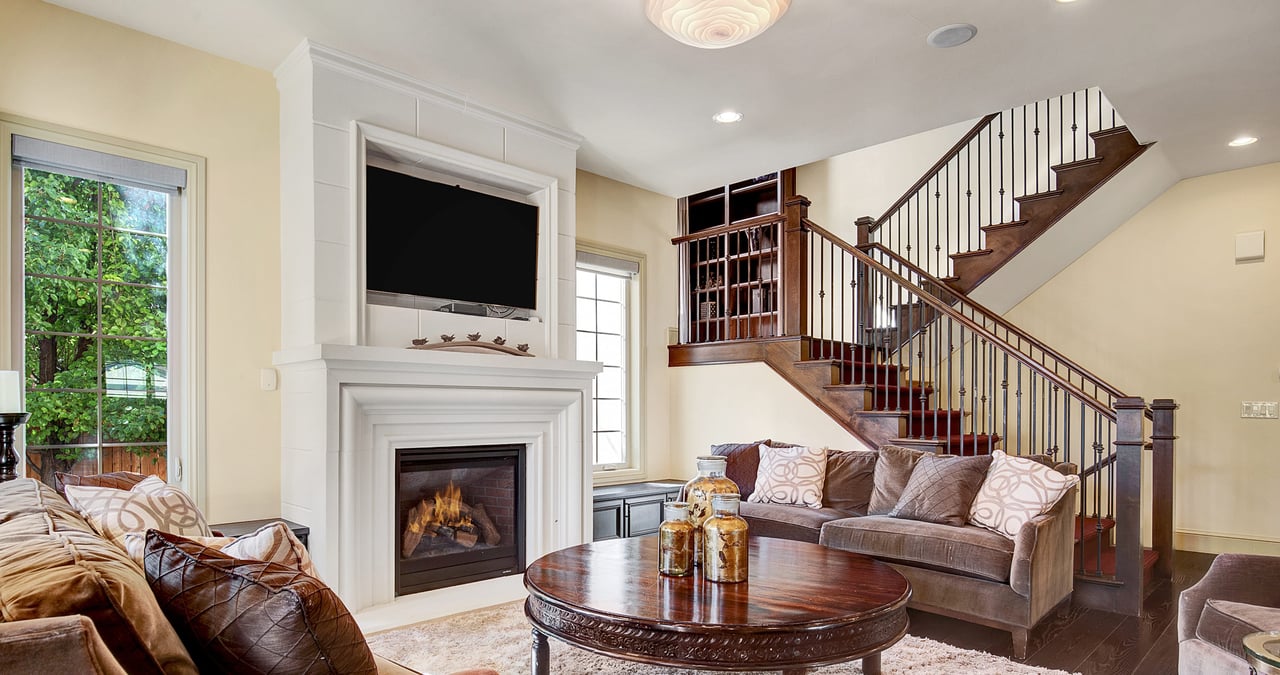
{"points": [[442, 241]]}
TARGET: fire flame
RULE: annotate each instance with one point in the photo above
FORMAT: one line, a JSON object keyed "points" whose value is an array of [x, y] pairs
{"points": [[444, 509]]}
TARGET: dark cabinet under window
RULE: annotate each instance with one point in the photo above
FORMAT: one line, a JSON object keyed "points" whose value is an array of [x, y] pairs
{"points": [[631, 510]]}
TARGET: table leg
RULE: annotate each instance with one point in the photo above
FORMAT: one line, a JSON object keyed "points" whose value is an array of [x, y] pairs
{"points": [[871, 664], [541, 654]]}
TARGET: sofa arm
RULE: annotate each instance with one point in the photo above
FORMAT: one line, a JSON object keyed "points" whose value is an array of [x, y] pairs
{"points": [[1042, 554], [60, 644], [1237, 577]]}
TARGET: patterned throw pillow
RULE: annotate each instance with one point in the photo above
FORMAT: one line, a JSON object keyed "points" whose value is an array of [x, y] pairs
{"points": [[150, 505], [1015, 491], [790, 476], [941, 489], [249, 616], [273, 542]]}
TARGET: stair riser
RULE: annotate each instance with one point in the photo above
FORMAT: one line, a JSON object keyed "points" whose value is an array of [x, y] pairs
{"points": [[928, 427]]}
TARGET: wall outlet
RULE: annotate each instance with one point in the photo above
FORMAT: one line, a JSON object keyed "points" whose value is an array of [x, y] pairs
{"points": [[267, 379], [1260, 410]]}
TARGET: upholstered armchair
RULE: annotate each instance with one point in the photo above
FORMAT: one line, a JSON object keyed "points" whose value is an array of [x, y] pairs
{"points": [[1240, 594]]}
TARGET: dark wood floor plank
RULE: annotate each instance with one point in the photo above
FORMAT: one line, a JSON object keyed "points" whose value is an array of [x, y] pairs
{"points": [[1162, 658], [1067, 650]]}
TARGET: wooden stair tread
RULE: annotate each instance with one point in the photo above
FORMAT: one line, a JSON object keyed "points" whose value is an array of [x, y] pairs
{"points": [[1113, 131], [1077, 164], [879, 386], [1089, 527], [1047, 194], [1004, 226], [971, 254], [1107, 558]]}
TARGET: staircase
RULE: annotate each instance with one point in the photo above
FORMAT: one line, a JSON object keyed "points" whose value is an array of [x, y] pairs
{"points": [[882, 336]]}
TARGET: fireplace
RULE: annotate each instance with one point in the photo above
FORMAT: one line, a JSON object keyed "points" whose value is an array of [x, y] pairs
{"points": [[460, 515]]}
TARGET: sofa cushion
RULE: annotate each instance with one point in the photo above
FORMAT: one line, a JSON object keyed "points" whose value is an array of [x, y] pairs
{"points": [[151, 504], [893, 469], [1016, 490], [742, 463], [52, 563], [790, 476], [1224, 623], [240, 616], [850, 479], [787, 522], [968, 550], [941, 489]]}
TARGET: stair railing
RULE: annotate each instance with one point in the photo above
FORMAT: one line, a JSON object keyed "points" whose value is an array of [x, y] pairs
{"points": [[1005, 157], [968, 382], [732, 281]]}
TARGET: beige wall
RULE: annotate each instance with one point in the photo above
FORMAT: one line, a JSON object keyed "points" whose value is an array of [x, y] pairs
{"points": [[1161, 310], [69, 69]]}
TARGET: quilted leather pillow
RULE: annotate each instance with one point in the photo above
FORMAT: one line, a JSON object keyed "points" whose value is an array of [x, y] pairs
{"points": [[941, 489], [151, 505], [1015, 491], [790, 476], [893, 469], [240, 616], [742, 463], [273, 542], [120, 480]]}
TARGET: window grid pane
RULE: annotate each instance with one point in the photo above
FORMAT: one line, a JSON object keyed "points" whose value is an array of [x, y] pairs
{"points": [[95, 264], [602, 336]]}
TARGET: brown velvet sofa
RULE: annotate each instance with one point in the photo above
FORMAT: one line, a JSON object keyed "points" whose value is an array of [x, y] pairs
{"points": [[1240, 594], [73, 602], [967, 572]]}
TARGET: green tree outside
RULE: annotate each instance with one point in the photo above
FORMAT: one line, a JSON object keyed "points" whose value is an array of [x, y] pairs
{"points": [[96, 334]]}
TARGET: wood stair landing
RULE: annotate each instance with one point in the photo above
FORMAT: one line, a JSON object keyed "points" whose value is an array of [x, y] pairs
{"points": [[1095, 557], [1114, 149]]}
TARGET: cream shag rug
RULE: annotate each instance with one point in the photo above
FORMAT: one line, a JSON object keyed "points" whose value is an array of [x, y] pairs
{"points": [[499, 638]]}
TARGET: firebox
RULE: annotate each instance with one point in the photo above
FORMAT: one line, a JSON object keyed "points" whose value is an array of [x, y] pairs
{"points": [[460, 515]]}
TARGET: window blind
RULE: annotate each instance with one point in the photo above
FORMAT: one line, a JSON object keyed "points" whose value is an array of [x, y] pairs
{"points": [[45, 155], [605, 264]]}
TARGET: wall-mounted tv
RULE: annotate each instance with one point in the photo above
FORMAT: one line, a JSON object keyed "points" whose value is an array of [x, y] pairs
{"points": [[434, 240]]}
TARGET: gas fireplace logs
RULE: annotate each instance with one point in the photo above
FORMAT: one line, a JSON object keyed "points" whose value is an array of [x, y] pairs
{"points": [[446, 516]]}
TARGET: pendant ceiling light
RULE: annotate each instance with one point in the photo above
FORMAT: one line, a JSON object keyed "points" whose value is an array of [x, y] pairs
{"points": [[714, 24]]}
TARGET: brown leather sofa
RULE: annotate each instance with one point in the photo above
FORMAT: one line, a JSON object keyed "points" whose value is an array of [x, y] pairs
{"points": [[967, 572], [1240, 594], [73, 602]]}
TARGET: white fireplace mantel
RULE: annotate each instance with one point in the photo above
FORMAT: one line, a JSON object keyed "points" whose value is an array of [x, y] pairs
{"points": [[348, 408]]}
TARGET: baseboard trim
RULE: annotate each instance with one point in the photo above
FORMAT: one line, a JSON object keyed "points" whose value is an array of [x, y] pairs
{"points": [[1224, 542]]}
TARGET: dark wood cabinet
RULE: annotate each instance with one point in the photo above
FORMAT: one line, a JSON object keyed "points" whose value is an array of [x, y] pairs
{"points": [[631, 510], [730, 247], [244, 527]]}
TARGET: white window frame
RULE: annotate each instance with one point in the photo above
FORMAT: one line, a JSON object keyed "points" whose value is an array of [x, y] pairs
{"points": [[186, 422], [634, 433]]}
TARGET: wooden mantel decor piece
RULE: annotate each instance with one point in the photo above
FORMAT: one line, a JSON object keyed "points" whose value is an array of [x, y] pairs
{"points": [[473, 344]]}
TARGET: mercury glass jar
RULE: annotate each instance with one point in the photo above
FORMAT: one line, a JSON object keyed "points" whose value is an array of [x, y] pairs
{"points": [[698, 492], [725, 550], [675, 540]]}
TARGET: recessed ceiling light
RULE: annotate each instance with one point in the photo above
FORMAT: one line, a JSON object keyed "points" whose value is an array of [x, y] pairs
{"points": [[953, 35], [1243, 141], [1066, 1], [727, 117]]}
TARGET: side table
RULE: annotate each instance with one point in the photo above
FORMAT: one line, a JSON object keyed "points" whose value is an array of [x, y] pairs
{"points": [[1262, 651], [246, 526]]}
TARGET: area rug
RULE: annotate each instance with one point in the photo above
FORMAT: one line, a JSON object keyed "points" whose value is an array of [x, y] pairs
{"points": [[499, 638]]}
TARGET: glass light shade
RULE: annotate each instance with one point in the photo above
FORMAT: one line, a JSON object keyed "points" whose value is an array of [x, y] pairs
{"points": [[714, 24]]}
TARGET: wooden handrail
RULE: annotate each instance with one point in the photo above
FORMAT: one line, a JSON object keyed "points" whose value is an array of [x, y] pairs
{"points": [[1000, 321], [757, 221], [933, 170], [946, 309]]}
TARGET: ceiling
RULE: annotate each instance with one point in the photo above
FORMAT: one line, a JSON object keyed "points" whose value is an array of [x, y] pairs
{"points": [[831, 76]]}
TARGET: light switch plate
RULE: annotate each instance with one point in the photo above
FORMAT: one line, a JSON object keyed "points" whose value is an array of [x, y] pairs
{"points": [[1260, 410]]}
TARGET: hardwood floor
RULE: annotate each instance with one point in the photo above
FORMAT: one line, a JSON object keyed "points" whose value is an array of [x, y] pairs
{"points": [[1085, 640]]}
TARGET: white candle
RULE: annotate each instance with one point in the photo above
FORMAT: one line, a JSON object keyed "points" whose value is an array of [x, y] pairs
{"points": [[10, 391]]}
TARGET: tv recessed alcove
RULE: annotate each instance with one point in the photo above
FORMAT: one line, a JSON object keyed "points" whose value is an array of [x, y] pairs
{"points": [[390, 318]]}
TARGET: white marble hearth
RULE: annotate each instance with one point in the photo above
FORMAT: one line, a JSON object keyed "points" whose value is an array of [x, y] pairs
{"points": [[346, 409]]}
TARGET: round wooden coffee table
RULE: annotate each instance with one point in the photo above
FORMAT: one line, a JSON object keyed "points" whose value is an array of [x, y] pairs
{"points": [[803, 606]]}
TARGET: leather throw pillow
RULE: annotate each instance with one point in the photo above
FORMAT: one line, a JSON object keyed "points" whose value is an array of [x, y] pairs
{"points": [[1015, 491], [941, 489], [742, 462], [120, 480], [790, 476], [241, 616], [893, 469], [151, 505]]}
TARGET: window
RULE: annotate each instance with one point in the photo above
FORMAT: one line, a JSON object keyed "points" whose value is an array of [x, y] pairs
{"points": [[608, 318], [106, 327]]}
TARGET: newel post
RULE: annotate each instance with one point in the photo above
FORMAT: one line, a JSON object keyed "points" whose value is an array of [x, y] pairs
{"points": [[1163, 435], [1130, 417], [864, 229], [795, 267]]}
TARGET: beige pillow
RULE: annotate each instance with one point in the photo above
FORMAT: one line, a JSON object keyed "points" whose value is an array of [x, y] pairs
{"points": [[1015, 491], [893, 469], [150, 505], [273, 542], [790, 476]]}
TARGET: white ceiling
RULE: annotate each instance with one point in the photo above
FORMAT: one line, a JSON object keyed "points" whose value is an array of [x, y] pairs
{"points": [[831, 76]]}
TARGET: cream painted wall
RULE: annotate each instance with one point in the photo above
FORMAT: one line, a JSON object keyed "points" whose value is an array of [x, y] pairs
{"points": [[865, 182], [1161, 310], [73, 70], [617, 215]]}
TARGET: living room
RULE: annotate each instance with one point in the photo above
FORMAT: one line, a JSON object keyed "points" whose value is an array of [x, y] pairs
{"points": [[1134, 308]]}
